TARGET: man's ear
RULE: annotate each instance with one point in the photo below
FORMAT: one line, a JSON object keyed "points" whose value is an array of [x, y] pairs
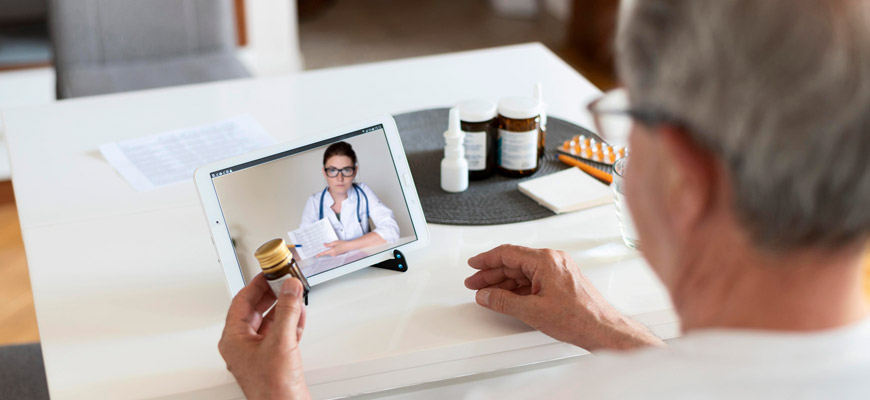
{"points": [[690, 178]]}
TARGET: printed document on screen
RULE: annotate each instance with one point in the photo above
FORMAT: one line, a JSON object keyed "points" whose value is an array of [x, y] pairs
{"points": [[312, 238]]}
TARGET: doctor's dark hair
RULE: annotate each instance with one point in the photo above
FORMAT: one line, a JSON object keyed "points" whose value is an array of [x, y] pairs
{"points": [[339, 149]]}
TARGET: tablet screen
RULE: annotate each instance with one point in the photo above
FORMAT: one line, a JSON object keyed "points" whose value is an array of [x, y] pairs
{"points": [[335, 202]]}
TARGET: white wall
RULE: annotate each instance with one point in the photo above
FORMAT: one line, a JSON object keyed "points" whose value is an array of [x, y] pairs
{"points": [[266, 201]]}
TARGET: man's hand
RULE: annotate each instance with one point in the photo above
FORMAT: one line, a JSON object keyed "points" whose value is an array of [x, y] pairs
{"points": [[336, 248], [263, 352], [546, 290]]}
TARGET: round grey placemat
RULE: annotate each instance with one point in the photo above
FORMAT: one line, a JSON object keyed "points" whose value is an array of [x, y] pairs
{"points": [[491, 201]]}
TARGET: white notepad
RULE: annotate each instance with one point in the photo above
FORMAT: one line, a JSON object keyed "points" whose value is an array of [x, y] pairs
{"points": [[566, 191], [312, 238]]}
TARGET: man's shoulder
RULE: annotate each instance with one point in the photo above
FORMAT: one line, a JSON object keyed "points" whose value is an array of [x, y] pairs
{"points": [[736, 364], [642, 369]]}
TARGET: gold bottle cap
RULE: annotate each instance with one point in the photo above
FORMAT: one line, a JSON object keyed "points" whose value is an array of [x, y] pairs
{"points": [[272, 253]]}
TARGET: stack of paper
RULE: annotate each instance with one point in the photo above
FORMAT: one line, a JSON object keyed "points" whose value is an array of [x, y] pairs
{"points": [[566, 191], [162, 159]]}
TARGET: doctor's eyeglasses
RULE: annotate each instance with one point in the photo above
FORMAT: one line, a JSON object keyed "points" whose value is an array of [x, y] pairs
{"points": [[347, 172]]}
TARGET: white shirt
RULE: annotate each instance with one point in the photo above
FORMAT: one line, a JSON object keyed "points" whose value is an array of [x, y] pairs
{"points": [[732, 364], [709, 364], [350, 227]]}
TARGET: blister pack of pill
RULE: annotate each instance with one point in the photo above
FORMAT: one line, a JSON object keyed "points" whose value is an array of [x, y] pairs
{"points": [[590, 149]]}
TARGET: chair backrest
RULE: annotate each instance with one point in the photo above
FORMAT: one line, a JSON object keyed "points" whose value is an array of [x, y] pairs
{"points": [[109, 31], [13, 11]]}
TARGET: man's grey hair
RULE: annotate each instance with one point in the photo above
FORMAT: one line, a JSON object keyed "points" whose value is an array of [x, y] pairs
{"points": [[780, 91]]}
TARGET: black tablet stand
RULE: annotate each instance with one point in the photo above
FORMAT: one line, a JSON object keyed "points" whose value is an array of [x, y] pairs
{"points": [[398, 263]]}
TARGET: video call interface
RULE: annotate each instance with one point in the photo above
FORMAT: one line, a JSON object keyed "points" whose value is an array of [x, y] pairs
{"points": [[333, 202]]}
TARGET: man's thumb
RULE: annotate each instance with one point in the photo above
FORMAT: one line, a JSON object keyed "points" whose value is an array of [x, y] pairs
{"points": [[503, 301], [288, 310]]}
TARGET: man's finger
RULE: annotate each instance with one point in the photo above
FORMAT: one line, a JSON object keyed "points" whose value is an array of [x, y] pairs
{"points": [[523, 290], [244, 305], [266, 325], [509, 284], [495, 276], [485, 278], [254, 290], [301, 327], [507, 302], [288, 311], [267, 301], [504, 256]]}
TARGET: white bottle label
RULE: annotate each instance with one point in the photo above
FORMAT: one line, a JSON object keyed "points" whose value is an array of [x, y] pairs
{"points": [[518, 150], [475, 150], [275, 284]]}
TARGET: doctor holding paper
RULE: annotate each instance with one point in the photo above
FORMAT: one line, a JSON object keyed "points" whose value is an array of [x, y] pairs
{"points": [[359, 218]]}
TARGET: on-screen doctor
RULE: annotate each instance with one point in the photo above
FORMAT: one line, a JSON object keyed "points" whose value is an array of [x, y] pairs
{"points": [[350, 207]]}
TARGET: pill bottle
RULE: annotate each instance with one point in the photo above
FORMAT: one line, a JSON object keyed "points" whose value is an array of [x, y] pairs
{"points": [[542, 143], [278, 265], [518, 136], [478, 121]]}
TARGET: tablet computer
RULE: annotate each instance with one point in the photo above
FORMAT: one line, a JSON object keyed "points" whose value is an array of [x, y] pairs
{"points": [[343, 201]]}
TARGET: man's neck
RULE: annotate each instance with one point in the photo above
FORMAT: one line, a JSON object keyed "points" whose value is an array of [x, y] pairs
{"points": [[735, 286]]}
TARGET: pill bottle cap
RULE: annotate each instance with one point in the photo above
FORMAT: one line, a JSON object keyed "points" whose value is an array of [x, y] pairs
{"points": [[477, 110], [539, 96], [272, 253], [519, 107]]}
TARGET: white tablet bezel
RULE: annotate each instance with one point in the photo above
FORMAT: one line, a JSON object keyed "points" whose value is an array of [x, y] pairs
{"points": [[220, 234]]}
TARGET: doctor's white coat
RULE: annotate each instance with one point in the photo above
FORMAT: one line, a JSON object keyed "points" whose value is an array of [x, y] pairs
{"points": [[349, 227]]}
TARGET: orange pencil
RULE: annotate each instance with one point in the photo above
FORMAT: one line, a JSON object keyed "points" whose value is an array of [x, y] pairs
{"points": [[595, 172]]}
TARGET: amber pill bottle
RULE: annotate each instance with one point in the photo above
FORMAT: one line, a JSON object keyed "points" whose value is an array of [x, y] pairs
{"points": [[278, 265], [478, 121], [518, 136]]}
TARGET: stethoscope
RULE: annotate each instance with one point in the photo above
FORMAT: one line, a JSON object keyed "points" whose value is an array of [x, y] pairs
{"points": [[359, 193]]}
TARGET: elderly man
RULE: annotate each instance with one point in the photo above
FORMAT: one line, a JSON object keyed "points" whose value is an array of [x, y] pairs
{"points": [[750, 189]]}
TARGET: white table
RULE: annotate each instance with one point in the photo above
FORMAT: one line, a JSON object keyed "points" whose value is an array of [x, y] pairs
{"points": [[130, 299]]}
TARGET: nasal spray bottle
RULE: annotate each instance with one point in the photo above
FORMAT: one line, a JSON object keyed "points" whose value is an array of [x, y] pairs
{"points": [[454, 167]]}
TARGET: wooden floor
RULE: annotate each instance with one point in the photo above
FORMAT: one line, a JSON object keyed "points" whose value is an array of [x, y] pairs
{"points": [[17, 317]]}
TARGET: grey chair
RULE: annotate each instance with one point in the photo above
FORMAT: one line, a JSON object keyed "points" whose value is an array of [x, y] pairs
{"points": [[107, 46], [22, 10], [22, 373]]}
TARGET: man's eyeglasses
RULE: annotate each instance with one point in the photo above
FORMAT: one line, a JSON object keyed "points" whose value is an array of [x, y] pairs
{"points": [[346, 172], [613, 116]]}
